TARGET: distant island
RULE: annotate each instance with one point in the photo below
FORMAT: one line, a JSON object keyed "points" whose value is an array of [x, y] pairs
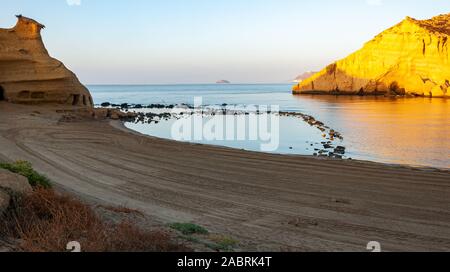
{"points": [[410, 58], [223, 81]]}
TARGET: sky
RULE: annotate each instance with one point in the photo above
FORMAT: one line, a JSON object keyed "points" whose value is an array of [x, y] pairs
{"points": [[202, 41]]}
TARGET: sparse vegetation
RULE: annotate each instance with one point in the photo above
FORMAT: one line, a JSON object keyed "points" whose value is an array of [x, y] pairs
{"points": [[25, 169], [200, 235], [191, 239], [45, 221], [222, 243], [188, 228]]}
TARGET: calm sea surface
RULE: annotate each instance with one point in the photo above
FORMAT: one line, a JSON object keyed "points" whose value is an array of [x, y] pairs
{"points": [[413, 131]]}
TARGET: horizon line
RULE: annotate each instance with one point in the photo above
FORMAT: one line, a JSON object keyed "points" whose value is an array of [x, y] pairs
{"points": [[156, 84]]}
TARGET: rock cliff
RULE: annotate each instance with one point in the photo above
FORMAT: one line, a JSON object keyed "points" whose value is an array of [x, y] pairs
{"points": [[29, 75], [410, 58]]}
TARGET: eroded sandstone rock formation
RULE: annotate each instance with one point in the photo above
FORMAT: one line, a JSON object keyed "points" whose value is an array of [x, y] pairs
{"points": [[29, 75], [409, 58]]}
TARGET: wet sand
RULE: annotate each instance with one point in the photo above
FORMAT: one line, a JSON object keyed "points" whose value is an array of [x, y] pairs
{"points": [[265, 201]]}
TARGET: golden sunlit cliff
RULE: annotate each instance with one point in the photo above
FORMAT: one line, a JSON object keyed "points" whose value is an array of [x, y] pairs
{"points": [[410, 58], [29, 75]]}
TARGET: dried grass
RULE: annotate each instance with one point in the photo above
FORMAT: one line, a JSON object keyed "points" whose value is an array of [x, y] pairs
{"points": [[46, 221]]}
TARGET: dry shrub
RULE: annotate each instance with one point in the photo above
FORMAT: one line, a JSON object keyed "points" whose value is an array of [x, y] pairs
{"points": [[46, 221]]}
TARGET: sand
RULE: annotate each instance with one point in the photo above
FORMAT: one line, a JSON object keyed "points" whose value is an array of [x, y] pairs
{"points": [[265, 201]]}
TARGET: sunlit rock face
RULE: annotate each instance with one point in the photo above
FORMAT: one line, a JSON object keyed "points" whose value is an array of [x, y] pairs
{"points": [[29, 75], [409, 58]]}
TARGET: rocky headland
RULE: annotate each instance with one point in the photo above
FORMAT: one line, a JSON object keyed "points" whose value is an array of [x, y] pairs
{"points": [[29, 75], [411, 58]]}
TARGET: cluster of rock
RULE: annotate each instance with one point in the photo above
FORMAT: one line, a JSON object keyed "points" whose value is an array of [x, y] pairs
{"points": [[70, 115], [150, 117], [29, 75], [411, 58], [138, 113], [329, 150], [10, 185], [127, 106], [327, 131]]}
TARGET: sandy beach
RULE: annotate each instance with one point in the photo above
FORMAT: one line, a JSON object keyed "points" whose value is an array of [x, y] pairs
{"points": [[265, 201]]}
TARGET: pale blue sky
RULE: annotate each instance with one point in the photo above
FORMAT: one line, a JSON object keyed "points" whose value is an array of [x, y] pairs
{"points": [[201, 41]]}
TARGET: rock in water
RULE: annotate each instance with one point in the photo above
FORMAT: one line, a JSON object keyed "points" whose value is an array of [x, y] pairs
{"points": [[29, 75], [409, 58]]}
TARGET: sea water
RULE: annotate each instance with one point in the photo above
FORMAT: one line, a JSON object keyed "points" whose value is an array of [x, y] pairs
{"points": [[411, 131]]}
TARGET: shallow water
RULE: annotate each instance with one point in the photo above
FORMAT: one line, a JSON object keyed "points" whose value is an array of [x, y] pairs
{"points": [[412, 131]]}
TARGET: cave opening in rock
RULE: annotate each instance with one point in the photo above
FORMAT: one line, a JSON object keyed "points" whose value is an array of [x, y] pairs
{"points": [[75, 99], [2, 93]]}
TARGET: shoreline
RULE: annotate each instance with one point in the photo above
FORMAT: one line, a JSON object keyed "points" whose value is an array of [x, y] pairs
{"points": [[121, 126], [328, 146], [356, 94], [267, 202]]}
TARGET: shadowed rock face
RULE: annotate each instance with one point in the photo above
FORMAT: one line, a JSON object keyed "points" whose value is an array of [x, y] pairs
{"points": [[29, 75], [409, 58]]}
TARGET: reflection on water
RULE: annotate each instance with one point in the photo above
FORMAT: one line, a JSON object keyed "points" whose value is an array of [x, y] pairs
{"points": [[396, 130], [411, 131], [403, 131], [301, 139]]}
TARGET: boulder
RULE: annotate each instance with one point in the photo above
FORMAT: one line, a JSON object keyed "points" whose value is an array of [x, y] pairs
{"points": [[11, 183], [131, 115], [101, 113], [116, 114], [15, 183]]}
